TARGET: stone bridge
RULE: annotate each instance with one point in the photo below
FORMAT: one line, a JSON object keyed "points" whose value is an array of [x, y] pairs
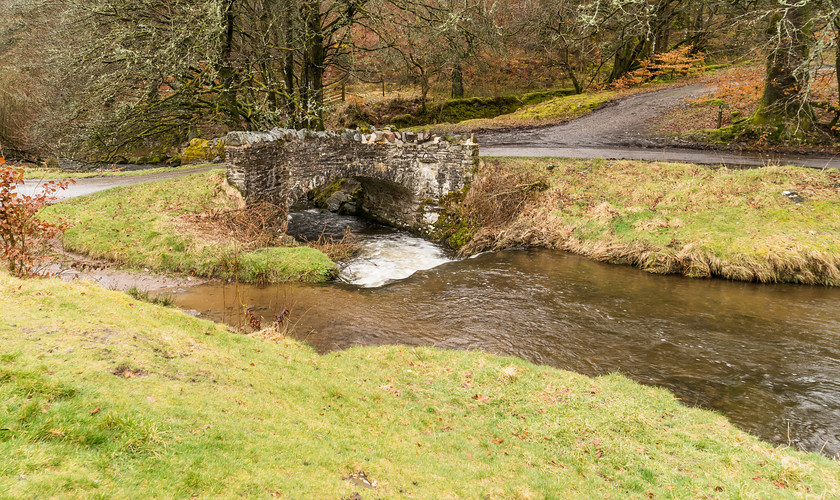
{"points": [[400, 177]]}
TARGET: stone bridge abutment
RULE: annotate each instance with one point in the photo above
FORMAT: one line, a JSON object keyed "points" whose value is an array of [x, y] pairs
{"points": [[403, 176]]}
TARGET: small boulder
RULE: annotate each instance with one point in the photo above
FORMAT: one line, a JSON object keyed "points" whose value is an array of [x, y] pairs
{"points": [[335, 201], [793, 196]]}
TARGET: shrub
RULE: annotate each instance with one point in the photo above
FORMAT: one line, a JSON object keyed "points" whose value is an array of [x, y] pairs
{"points": [[680, 61], [24, 237]]}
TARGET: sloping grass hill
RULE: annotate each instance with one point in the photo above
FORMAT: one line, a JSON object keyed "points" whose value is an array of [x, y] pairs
{"points": [[102, 396]]}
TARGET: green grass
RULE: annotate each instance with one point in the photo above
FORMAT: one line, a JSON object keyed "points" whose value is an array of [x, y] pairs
{"points": [[458, 110], [51, 173], [104, 396], [152, 226], [676, 218], [556, 110]]}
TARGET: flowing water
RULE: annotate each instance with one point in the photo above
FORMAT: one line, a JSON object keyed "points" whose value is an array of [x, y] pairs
{"points": [[386, 254], [767, 356]]}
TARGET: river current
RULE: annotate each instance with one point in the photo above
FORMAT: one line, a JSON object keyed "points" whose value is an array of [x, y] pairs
{"points": [[767, 356]]}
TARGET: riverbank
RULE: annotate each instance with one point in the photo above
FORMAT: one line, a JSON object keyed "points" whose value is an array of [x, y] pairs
{"points": [[194, 224], [107, 395], [663, 218]]}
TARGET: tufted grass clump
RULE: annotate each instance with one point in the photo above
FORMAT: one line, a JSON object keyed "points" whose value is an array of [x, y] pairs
{"points": [[160, 300]]}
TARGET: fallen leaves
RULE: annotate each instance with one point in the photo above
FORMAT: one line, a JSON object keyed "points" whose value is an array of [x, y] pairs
{"points": [[391, 389]]}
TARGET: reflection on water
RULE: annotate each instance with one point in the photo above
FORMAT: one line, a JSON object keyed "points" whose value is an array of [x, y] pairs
{"points": [[766, 356]]}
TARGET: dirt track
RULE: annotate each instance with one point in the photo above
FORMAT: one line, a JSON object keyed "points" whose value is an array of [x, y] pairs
{"points": [[622, 123]]}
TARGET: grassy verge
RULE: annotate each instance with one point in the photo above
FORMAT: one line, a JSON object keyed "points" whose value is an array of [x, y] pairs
{"points": [[52, 173], [557, 110], [663, 218], [107, 396], [409, 112], [181, 225]]}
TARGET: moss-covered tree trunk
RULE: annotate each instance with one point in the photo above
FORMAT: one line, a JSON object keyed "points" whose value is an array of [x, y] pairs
{"points": [[228, 104], [457, 80], [313, 66], [289, 63], [836, 24], [782, 103]]}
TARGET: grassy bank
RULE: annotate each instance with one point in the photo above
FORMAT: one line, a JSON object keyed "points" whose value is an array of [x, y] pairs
{"points": [[664, 218], [53, 173], [410, 112], [193, 224], [556, 110], [107, 396]]}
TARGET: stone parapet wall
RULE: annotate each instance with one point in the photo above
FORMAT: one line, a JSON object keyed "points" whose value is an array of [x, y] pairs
{"points": [[281, 166]]}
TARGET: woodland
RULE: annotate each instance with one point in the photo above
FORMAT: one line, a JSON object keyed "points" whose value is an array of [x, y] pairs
{"points": [[106, 79]]}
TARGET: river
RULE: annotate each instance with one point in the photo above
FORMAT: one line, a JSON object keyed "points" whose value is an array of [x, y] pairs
{"points": [[767, 356]]}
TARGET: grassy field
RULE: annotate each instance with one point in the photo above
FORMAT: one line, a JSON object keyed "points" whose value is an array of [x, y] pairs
{"points": [[52, 173], [104, 396], [192, 224], [663, 218]]}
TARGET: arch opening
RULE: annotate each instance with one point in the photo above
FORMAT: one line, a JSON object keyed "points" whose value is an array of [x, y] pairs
{"points": [[380, 200]]}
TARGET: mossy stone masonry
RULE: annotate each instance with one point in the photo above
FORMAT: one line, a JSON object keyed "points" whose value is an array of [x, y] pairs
{"points": [[407, 173]]}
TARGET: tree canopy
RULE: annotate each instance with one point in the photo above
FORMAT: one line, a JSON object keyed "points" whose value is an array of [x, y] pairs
{"points": [[113, 75]]}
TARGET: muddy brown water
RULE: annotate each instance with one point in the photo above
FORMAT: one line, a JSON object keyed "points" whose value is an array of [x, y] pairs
{"points": [[767, 356]]}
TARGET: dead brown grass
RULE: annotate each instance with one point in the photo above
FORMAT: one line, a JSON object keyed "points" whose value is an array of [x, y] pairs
{"points": [[337, 250], [257, 226], [229, 220]]}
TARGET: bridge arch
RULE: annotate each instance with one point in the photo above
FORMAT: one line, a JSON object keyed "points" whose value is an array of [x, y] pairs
{"points": [[281, 166]]}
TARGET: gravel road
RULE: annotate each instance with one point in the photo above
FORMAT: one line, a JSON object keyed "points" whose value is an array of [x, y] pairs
{"points": [[621, 131]]}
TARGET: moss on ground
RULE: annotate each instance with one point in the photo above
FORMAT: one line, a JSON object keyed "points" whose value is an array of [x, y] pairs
{"points": [[105, 396], [410, 114], [180, 225], [666, 218]]}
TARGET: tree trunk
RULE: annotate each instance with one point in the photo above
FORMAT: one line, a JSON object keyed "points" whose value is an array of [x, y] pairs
{"points": [[570, 71], [786, 75], [424, 89], [837, 55], [625, 57], [289, 64], [228, 102], [315, 59], [457, 80]]}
